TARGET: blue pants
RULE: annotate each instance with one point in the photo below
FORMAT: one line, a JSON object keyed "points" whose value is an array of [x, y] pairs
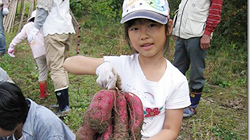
{"points": [[188, 53], [2, 35]]}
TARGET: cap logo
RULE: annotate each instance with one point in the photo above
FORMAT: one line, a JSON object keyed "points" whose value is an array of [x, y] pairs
{"points": [[158, 4], [130, 2]]}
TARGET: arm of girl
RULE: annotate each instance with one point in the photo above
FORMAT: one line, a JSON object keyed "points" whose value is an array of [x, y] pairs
{"points": [[81, 65], [172, 125]]}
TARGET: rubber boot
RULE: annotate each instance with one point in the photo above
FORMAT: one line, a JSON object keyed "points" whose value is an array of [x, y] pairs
{"points": [[43, 89], [195, 99], [63, 101]]}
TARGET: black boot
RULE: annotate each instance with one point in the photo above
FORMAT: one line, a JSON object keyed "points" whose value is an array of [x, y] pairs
{"points": [[63, 101]]}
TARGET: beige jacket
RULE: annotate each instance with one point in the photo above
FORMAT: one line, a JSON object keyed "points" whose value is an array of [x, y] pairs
{"points": [[190, 19]]}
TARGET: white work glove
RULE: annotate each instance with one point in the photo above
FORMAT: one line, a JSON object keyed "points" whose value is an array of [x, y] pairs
{"points": [[5, 11], [107, 76], [11, 51], [31, 36]]}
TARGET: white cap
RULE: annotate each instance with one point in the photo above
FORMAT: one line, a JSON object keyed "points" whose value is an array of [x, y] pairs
{"points": [[33, 14], [157, 10]]}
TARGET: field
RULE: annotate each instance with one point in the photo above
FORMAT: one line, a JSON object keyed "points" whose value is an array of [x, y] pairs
{"points": [[222, 113]]}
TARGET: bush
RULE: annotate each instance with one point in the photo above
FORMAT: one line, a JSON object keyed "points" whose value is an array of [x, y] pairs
{"points": [[110, 10]]}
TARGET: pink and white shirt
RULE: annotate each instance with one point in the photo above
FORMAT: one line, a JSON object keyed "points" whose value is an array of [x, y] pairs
{"points": [[37, 45], [3, 4]]}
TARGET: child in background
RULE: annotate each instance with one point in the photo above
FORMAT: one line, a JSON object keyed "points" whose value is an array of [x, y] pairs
{"points": [[38, 50], [162, 88]]}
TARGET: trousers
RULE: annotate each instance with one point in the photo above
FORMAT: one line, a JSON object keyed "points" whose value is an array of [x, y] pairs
{"points": [[189, 54], [57, 49], [2, 34]]}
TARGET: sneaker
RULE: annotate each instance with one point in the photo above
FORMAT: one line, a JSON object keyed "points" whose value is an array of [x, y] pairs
{"points": [[188, 112], [56, 105], [64, 112]]}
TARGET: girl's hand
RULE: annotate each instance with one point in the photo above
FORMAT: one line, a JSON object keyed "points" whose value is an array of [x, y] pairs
{"points": [[107, 77], [11, 51]]}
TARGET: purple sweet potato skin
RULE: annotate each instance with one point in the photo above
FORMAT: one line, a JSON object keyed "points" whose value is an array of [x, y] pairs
{"points": [[120, 118], [112, 115], [108, 134], [98, 115], [84, 133], [99, 111], [136, 117]]}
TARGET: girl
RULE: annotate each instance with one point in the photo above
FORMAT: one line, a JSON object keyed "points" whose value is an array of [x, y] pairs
{"points": [[162, 88], [38, 50]]}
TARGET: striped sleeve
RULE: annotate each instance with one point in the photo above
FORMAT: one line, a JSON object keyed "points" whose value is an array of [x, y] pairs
{"points": [[214, 16]]}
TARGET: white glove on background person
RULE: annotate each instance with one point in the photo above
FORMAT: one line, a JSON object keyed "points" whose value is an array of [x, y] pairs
{"points": [[34, 31], [11, 51], [5, 11], [107, 76]]}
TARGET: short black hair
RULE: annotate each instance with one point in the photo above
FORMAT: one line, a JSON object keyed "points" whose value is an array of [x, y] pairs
{"points": [[13, 106]]}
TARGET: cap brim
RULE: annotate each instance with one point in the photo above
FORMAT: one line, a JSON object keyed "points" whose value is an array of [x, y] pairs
{"points": [[145, 14]]}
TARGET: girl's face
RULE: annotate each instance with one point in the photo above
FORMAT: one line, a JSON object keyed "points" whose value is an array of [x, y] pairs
{"points": [[147, 37]]}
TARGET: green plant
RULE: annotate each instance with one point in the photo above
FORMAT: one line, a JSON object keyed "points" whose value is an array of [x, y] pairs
{"points": [[80, 7], [224, 134]]}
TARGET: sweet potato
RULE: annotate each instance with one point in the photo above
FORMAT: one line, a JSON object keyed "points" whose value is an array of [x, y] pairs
{"points": [[112, 115], [120, 117], [84, 133], [98, 115], [136, 117], [108, 134]]}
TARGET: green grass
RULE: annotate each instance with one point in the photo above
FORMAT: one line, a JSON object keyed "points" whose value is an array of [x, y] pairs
{"points": [[222, 113]]}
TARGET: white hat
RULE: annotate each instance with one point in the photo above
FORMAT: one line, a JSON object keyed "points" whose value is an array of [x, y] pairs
{"points": [[157, 10], [33, 15]]}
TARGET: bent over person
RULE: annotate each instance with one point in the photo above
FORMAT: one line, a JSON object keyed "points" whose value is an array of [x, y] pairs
{"points": [[23, 119]]}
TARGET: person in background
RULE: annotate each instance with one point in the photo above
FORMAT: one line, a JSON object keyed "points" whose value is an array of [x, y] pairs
{"points": [[194, 24], [3, 12], [38, 50], [162, 88], [23, 119], [53, 17], [4, 76]]}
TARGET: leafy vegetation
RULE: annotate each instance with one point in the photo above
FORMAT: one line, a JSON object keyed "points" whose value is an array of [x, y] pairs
{"points": [[222, 113]]}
